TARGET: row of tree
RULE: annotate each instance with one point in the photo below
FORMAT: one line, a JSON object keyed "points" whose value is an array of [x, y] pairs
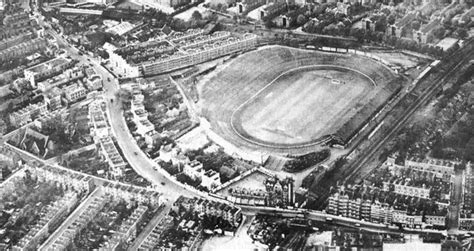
{"points": [[308, 160]]}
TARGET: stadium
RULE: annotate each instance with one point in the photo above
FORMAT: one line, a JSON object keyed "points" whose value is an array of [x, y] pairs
{"points": [[284, 100]]}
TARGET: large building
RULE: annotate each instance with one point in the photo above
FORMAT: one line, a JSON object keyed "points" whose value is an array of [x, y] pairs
{"points": [[74, 92], [128, 229], [20, 36], [343, 205], [426, 33], [176, 51], [19, 21], [61, 79], [402, 26], [47, 69], [112, 156], [209, 179], [23, 49], [468, 190], [52, 216], [28, 113], [274, 191], [404, 188], [436, 166], [229, 213], [245, 6]]}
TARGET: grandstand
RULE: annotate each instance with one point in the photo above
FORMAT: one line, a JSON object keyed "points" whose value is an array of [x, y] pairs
{"points": [[226, 91]]}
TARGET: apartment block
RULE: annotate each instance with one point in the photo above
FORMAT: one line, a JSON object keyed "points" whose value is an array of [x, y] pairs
{"points": [[436, 166], [133, 193], [210, 179], [229, 213], [63, 78], [75, 92], [127, 230], [176, 51], [112, 156], [404, 189], [435, 220], [51, 217], [69, 230], [47, 69], [27, 114]]}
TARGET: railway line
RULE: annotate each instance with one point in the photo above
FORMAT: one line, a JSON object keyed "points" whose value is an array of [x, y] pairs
{"points": [[464, 55]]}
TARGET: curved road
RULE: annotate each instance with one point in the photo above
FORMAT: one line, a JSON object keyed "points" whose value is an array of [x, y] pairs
{"points": [[137, 159]]}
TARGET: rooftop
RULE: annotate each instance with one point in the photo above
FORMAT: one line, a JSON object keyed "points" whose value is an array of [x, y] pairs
{"points": [[447, 43], [407, 19], [48, 65], [430, 26], [121, 28]]}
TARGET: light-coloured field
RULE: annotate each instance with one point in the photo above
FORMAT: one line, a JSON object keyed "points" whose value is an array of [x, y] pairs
{"points": [[293, 110], [398, 58], [303, 106], [254, 181]]}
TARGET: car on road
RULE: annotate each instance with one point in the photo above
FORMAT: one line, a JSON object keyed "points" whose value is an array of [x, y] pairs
{"points": [[111, 100], [162, 183], [135, 153]]}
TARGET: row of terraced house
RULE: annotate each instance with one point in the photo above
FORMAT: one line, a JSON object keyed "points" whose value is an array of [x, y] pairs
{"points": [[58, 82], [364, 207], [228, 212], [179, 50], [343, 205]]}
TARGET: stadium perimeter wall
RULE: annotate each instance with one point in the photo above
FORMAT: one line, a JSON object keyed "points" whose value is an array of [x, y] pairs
{"points": [[230, 148]]}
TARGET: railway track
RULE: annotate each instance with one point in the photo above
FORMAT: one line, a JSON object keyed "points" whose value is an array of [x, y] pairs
{"points": [[464, 54]]}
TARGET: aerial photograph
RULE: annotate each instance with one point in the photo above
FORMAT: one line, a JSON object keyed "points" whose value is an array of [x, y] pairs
{"points": [[237, 125]]}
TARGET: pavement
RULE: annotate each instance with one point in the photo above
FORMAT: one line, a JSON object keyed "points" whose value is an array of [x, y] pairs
{"points": [[137, 159], [72, 218], [455, 204], [149, 227]]}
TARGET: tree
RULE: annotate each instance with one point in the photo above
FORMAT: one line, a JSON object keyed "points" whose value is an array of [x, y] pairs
{"points": [[359, 34], [439, 32], [196, 15], [462, 33], [386, 11], [391, 19], [269, 24], [469, 152], [301, 19], [3, 127], [415, 25], [381, 23]]}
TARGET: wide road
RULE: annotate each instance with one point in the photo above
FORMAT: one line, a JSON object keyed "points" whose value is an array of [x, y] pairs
{"points": [[70, 219], [137, 159], [150, 227], [456, 199]]}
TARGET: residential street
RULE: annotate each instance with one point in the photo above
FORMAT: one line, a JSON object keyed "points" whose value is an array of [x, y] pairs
{"points": [[143, 165], [454, 208]]}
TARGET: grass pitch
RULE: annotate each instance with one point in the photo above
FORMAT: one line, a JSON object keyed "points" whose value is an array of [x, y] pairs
{"points": [[304, 105], [280, 99]]}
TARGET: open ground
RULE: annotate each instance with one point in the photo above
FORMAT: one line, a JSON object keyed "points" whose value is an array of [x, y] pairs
{"points": [[281, 100], [302, 106]]}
